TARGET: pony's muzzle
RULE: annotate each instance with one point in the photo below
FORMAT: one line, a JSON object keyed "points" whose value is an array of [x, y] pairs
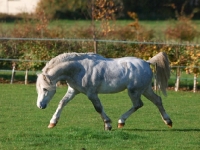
{"points": [[42, 105]]}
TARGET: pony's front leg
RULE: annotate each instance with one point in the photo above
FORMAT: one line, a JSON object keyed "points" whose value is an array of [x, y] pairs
{"points": [[68, 96], [99, 108]]}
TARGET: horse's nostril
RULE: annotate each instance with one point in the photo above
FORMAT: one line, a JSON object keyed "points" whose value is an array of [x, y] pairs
{"points": [[43, 106]]}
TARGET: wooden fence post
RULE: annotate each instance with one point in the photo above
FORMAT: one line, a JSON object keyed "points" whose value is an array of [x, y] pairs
{"points": [[95, 43], [26, 77], [13, 73], [195, 83], [95, 46], [177, 80]]}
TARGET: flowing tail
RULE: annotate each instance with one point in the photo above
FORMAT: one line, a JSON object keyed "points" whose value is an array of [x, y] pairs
{"points": [[162, 70]]}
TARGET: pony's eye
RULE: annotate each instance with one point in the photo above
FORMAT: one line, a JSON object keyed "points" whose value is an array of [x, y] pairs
{"points": [[45, 90]]}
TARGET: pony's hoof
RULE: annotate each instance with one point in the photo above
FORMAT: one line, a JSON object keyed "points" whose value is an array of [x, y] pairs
{"points": [[107, 128], [121, 125], [170, 124], [51, 125]]}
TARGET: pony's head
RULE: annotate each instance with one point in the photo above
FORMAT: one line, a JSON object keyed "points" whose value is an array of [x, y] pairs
{"points": [[45, 89]]}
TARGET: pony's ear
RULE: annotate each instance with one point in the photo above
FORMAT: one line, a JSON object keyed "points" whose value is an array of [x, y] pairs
{"points": [[38, 73]]}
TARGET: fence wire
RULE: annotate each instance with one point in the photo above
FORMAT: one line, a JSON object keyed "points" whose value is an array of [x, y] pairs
{"points": [[101, 40], [83, 44]]}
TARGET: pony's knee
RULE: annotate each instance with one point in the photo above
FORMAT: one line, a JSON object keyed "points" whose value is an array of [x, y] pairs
{"points": [[62, 103]]}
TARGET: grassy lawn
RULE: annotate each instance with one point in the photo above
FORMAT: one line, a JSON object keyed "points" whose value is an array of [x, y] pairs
{"points": [[158, 26], [24, 127]]}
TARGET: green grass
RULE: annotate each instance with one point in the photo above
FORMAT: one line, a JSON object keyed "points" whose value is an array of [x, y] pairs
{"points": [[158, 26], [24, 127]]}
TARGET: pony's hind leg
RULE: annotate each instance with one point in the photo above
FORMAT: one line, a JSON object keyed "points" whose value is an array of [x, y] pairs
{"points": [[137, 103], [99, 108], [149, 94]]}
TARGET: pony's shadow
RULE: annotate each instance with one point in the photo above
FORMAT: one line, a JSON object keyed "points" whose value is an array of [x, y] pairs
{"points": [[162, 130]]}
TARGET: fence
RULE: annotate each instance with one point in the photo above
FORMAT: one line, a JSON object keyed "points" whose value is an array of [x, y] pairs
{"points": [[106, 48]]}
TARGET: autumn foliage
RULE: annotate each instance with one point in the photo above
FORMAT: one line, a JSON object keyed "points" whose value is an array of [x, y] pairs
{"points": [[104, 12]]}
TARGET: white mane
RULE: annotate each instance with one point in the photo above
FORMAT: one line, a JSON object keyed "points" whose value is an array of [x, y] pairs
{"points": [[67, 57]]}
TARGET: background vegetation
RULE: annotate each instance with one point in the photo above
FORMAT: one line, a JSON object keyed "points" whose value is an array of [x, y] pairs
{"points": [[146, 9], [102, 24]]}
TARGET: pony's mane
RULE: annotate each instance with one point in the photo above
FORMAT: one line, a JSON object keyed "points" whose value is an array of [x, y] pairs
{"points": [[68, 57]]}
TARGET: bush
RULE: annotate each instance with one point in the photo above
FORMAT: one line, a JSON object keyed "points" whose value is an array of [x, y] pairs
{"points": [[61, 9], [183, 30]]}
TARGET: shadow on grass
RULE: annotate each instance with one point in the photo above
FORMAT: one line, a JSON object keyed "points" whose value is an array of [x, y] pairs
{"points": [[163, 130]]}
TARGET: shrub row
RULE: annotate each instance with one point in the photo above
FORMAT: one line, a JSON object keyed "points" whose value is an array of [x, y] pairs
{"points": [[45, 50], [186, 55]]}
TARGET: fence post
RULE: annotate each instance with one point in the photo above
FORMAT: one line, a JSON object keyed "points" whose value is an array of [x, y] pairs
{"points": [[95, 44], [195, 83], [26, 77], [13, 73], [178, 73], [177, 83], [178, 76]]}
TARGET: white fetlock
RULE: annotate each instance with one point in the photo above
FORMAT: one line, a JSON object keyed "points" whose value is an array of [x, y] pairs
{"points": [[53, 123], [107, 126], [121, 123]]}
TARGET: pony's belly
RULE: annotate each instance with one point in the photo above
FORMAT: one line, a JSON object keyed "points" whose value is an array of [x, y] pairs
{"points": [[111, 88]]}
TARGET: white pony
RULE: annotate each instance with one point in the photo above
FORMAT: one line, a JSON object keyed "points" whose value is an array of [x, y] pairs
{"points": [[92, 74]]}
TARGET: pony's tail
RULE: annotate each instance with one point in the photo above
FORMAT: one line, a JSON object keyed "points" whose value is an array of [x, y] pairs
{"points": [[162, 70]]}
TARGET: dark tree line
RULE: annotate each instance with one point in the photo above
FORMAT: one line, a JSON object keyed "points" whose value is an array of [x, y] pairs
{"points": [[160, 9], [146, 9]]}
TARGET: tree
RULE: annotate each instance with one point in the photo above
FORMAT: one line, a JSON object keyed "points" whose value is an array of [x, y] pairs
{"points": [[62, 8]]}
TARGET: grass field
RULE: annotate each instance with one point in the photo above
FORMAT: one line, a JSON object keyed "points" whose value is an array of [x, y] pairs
{"points": [[159, 26], [24, 127]]}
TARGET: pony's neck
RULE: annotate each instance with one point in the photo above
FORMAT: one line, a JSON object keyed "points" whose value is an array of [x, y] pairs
{"points": [[62, 71]]}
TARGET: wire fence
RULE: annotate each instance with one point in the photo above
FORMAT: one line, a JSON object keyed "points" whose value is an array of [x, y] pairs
{"points": [[103, 41], [29, 76], [186, 81]]}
